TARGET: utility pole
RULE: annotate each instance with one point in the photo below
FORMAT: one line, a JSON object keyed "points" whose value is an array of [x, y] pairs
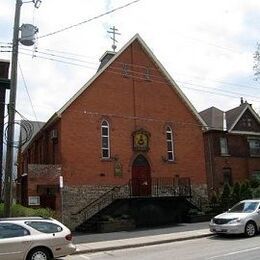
{"points": [[11, 114]]}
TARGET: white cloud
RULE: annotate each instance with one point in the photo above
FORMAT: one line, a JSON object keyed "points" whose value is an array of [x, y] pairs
{"points": [[199, 42]]}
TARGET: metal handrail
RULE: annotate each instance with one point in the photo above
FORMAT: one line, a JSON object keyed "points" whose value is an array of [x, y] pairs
{"points": [[116, 188]]}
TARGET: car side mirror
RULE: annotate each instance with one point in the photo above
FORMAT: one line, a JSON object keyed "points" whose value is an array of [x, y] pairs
{"points": [[258, 211]]}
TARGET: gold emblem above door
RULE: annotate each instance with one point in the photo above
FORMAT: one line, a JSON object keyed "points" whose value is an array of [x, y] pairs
{"points": [[141, 140]]}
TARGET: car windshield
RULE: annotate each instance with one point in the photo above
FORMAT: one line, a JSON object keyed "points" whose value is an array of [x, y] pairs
{"points": [[244, 207]]}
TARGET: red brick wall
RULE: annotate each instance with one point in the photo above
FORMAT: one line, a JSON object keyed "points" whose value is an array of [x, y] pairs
{"points": [[119, 99], [239, 160]]}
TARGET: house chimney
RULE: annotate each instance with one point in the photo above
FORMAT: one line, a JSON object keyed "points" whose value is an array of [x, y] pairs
{"points": [[241, 101], [224, 122], [106, 57]]}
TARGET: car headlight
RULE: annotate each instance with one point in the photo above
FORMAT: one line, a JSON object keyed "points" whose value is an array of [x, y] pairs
{"points": [[235, 220]]}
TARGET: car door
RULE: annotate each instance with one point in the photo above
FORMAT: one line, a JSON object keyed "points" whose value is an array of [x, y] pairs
{"points": [[14, 241]]}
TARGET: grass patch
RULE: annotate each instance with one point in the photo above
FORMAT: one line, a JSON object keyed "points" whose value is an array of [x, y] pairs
{"points": [[18, 210]]}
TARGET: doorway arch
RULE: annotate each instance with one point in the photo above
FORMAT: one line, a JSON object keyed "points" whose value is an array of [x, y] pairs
{"points": [[141, 177]]}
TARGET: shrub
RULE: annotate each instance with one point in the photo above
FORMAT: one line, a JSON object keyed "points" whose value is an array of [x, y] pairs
{"points": [[21, 211], [236, 193], [245, 191], [225, 197], [256, 193]]}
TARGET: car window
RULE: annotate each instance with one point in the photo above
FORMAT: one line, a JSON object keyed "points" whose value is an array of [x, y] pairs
{"points": [[8, 230], [244, 207], [45, 227]]}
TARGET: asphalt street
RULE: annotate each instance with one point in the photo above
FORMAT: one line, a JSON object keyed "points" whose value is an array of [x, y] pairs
{"points": [[79, 238], [210, 248]]}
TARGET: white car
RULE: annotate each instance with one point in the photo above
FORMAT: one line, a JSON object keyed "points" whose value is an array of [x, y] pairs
{"points": [[34, 238], [244, 217]]}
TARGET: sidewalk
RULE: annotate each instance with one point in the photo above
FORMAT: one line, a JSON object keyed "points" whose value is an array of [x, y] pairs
{"points": [[138, 241]]}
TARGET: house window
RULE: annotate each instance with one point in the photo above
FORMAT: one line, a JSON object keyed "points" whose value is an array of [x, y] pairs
{"points": [[105, 139], [223, 146], [254, 147], [170, 146]]}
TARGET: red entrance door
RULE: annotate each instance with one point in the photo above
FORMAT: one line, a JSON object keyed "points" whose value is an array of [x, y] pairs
{"points": [[141, 177]]}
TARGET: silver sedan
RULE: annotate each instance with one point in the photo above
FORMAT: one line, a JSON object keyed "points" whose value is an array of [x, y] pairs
{"points": [[244, 217]]}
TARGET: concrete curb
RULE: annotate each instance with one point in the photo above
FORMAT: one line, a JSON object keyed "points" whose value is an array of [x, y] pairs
{"points": [[134, 245]]}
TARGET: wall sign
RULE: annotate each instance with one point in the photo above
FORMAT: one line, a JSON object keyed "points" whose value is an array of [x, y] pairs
{"points": [[34, 200]]}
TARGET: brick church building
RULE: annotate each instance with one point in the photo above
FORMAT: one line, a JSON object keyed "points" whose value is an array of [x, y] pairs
{"points": [[129, 132]]}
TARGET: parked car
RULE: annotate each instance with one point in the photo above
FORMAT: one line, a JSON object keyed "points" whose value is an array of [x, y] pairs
{"points": [[244, 217], [34, 238]]}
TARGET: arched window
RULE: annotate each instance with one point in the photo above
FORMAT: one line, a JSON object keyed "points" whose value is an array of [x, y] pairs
{"points": [[170, 145], [105, 142]]}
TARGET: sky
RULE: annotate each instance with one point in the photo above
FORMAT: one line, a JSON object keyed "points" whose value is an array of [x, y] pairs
{"points": [[206, 46]]}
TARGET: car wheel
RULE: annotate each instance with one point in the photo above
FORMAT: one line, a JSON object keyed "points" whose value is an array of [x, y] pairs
{"points": [[39, 254], [250, 229]]}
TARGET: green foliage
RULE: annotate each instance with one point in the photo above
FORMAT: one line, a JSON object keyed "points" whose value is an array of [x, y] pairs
{"points": [[254, 183], [245, 191], [21, 211], [256, 193], [225, 199], [236, 193]]}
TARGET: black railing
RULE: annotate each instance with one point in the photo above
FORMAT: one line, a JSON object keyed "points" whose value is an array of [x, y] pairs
{"points": [[99, 203], [158, 187]]}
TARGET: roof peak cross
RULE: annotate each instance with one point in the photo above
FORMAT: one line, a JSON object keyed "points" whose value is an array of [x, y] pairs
{"points": [[114, 33]]}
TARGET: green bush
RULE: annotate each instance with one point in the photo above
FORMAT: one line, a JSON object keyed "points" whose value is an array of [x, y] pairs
{"points": [[21, 211], [236, 193], [256, 193], [245, 191], [225, 198]]}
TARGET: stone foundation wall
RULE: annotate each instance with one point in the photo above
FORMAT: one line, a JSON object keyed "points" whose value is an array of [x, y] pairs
{"points": [[75, 198]]}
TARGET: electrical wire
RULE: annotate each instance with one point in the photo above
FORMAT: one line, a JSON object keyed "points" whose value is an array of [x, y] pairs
{"points": [[27, 91], [26, 127], [141, 66], [116, 71], [89, 20]]}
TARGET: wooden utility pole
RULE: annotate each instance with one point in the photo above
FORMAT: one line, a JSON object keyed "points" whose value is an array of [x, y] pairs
{"points": [[11, 115]]}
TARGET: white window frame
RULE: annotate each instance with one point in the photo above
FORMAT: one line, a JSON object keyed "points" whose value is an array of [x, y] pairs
{"points": [[170, 140], [105, 125]]}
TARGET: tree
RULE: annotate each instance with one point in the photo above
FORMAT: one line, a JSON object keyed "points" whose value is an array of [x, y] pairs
{"points": [[256, 66], [245, 191], [225, 197], [236, 193]]}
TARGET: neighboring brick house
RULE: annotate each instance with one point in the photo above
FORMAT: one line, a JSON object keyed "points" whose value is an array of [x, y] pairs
{"points": [[232, 145], [129, 126]]}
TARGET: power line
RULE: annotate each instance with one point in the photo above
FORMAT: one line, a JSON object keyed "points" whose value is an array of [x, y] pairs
{"points": [[91, 19], [26, 88], [115, 70], [145, 67]]}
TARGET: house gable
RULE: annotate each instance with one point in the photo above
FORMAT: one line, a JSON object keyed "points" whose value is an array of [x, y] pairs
{"points": [[247, 121]]}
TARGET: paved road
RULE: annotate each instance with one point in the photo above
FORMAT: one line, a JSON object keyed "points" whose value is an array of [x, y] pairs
{"points": [[211, 248], [86, 238]]}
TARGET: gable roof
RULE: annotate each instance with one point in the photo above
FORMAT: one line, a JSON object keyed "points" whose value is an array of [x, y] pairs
{"points": [[160, 66], [215, 118]]}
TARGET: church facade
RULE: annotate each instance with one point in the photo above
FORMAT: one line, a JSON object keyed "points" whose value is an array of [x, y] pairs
{"points": [[129, 131]]}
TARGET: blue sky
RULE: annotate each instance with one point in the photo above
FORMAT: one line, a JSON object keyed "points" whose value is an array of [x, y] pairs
{"points": [[206, 46]]}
